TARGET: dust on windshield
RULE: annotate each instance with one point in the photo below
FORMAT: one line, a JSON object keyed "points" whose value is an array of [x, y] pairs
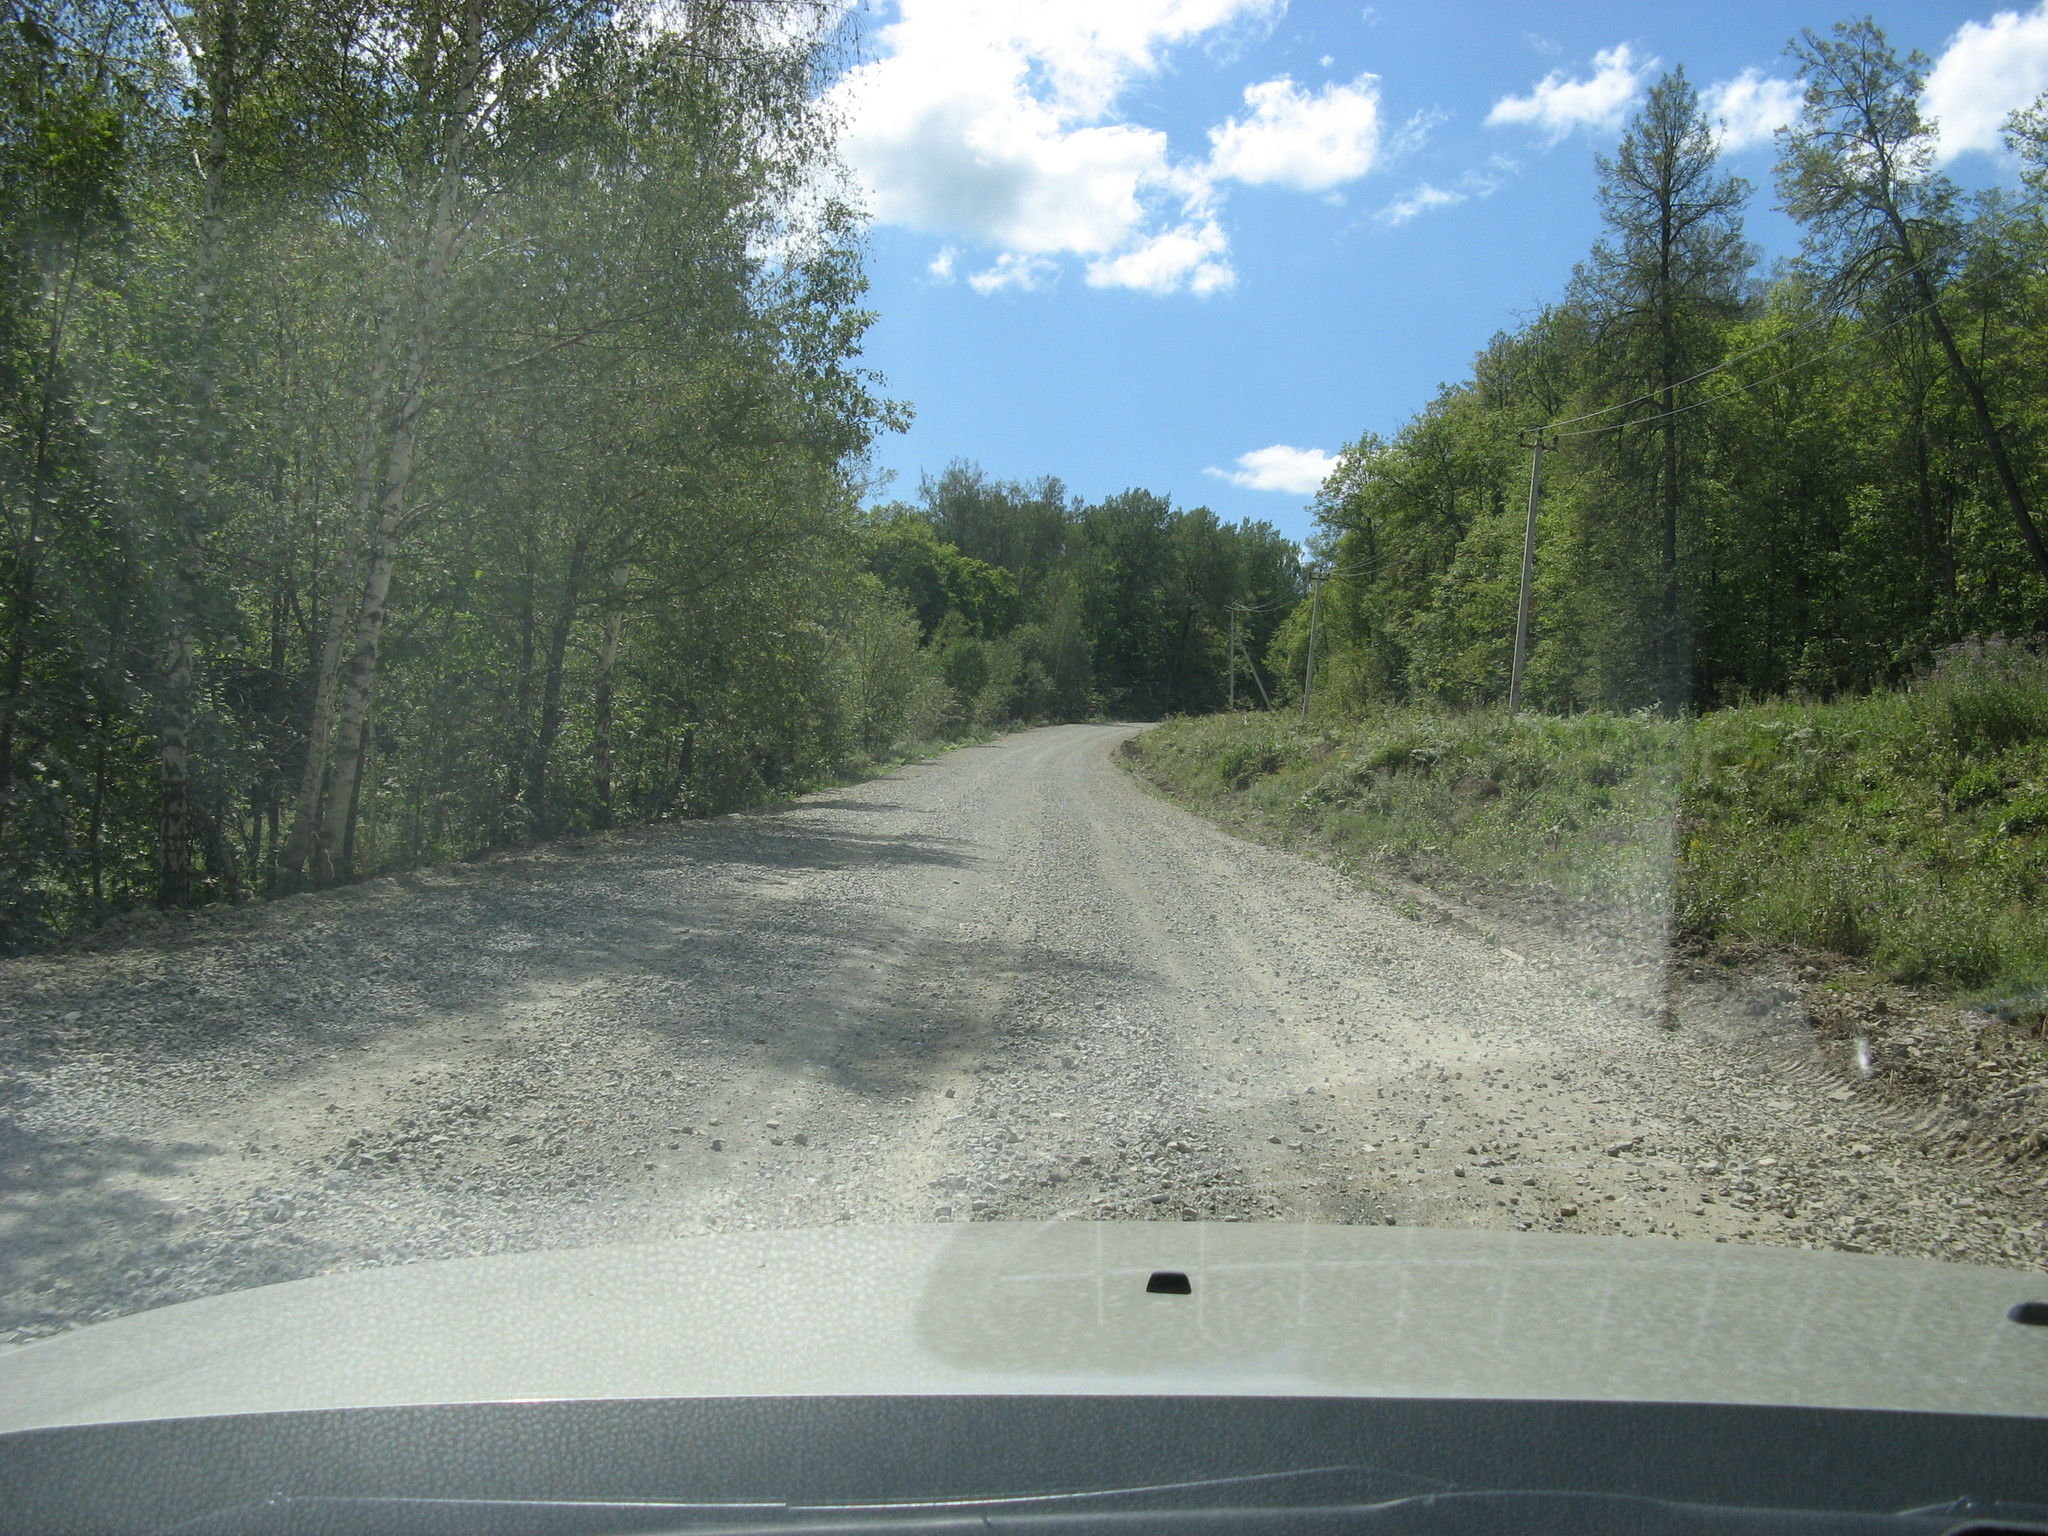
{"points": [[497, 753]]}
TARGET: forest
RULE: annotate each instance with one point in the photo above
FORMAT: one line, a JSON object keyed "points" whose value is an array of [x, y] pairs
{"points": [[1810, 478], [1033, 605], [429, 425]]}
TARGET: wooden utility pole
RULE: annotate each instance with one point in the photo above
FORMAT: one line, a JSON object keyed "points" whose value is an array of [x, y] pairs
{"points": [[1257, 681], [1233, 660], [1308, 675], [1528, 573]]}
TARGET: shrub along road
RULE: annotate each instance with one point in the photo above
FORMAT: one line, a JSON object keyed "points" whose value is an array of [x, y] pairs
{"points": [[1010, 983]]}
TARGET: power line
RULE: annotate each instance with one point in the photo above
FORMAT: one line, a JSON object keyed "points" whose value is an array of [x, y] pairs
{"points": [[1729, 394], [1726, 362], [1528, 577], [1544, 438], [1332, 574], [1550, 431]]}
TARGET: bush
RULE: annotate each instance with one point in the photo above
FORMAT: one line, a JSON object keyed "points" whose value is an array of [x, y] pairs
{"points": [[1988, 695]]}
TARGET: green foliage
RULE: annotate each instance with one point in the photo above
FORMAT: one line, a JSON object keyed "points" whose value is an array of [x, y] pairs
{"points": [[338, 390], [1988, 696], [427, 426], [1892, 826], [1869, 826], [1580, 807], [1053, 609], [1814, 481], [935, 579]]}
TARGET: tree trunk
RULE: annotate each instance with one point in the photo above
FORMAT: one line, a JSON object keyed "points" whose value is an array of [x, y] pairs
{"points": [[96, 831], [1994, 443], [551, 691], [194, 512], [267, 801], [341, 600], [607, 671], [347, 749], [27, 565], [1672, 684], [355, 804], [1923, 502], [1973, 390], [24, 606], [686, 765], [220, 855], [518, 816]]}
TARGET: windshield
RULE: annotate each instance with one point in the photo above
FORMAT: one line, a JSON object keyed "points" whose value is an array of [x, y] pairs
{"points": [[627, 621]]}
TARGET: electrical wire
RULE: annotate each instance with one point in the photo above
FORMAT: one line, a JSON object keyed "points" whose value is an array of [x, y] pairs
{"points": [[1729, 394], [1841, 346], [1729, 362], [1290, 602]]}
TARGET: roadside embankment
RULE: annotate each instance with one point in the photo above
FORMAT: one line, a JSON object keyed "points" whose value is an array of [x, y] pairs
{"points": [[1885, 855]]}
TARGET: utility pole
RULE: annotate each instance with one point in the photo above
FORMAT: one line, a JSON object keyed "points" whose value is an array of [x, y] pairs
{"points": [[1233, 660], [1258, 681], [1308, 676], [1528, 573]]}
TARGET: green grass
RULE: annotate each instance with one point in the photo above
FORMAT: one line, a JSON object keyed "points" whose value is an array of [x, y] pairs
{"points": [[1907, 829]]}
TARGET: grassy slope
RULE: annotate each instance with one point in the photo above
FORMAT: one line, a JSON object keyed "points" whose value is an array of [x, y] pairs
{"points": [[1906, 829]]}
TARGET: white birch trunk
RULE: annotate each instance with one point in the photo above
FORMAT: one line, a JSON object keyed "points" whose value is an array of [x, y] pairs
{"points": [[348, 582], [346, 749], [178, 656], [607, 673]]}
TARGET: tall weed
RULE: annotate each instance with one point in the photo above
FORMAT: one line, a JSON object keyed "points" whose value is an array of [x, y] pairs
{"points": [[1908, 828]]}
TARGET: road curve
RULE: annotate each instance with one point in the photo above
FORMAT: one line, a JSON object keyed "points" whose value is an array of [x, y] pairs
{"points": [[1006, 983]]}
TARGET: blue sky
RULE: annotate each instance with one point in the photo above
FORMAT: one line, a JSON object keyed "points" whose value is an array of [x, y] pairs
{"points": [[1190, 244]]}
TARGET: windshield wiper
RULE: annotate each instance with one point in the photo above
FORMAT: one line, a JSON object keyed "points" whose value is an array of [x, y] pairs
{"points": [[1499, 1512]]}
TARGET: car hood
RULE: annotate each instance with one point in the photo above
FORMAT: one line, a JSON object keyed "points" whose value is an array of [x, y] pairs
{"points": [[1062, 1308]]}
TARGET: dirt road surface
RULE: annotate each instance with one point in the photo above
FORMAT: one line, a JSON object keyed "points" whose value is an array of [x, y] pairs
{"points": [[1009, 983]]}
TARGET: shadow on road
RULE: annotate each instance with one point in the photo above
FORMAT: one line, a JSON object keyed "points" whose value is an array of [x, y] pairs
{"points": [[283, 988], [62, 1206]]}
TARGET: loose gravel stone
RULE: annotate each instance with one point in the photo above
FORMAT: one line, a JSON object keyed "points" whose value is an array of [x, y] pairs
{"points": [[1006, 984]]}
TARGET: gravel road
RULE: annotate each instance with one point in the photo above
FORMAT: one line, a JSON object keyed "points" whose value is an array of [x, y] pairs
{"points": [[1009, 983]]}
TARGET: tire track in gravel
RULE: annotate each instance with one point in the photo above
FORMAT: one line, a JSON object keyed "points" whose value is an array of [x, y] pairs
{"points": [[1006, 984]]}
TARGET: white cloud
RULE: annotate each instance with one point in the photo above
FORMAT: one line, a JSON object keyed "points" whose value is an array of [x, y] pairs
{"points": [[1413, 134], [941, 269], [1749, 109], [1027, 272], [1000, 122], [1559, 105], [1427, 197], [1419, 200], [1192, 256], [1294, 139], [1300, 471], [1988, 69]]}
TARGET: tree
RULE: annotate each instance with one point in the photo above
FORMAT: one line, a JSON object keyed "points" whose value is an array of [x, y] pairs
{"points": [[1661, 286], [936, 580], [465, 396], [1857, 170]]}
